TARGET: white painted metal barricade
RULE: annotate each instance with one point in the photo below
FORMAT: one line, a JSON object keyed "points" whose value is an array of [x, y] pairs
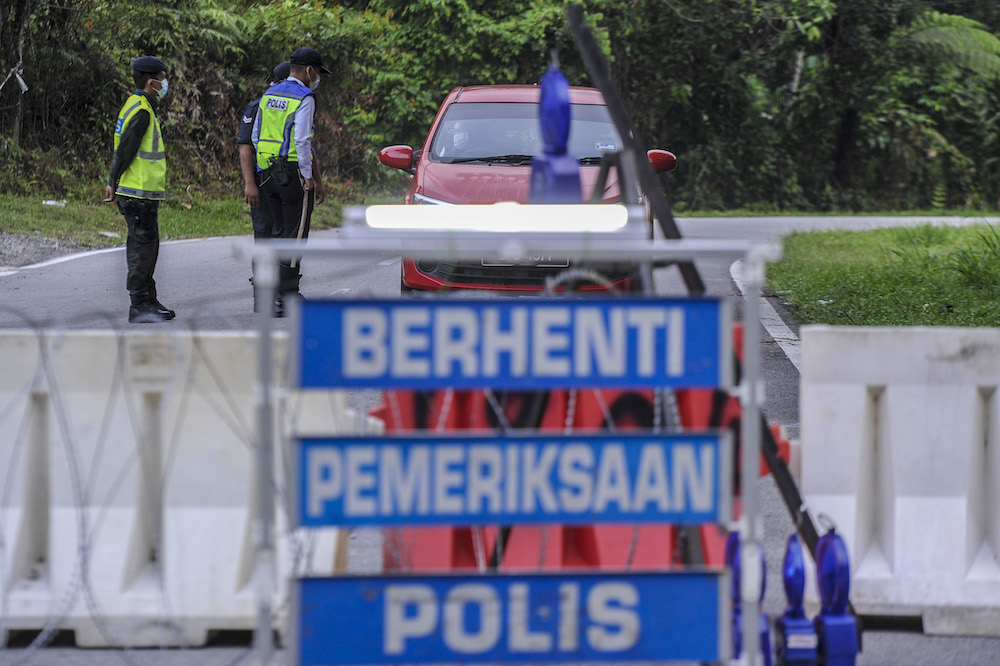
{"points": [[625, 242], [128, 488], [901, 449]]}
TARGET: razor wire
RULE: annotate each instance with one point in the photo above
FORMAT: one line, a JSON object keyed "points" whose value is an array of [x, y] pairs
{"points": [[87, 454], [80, 579]]}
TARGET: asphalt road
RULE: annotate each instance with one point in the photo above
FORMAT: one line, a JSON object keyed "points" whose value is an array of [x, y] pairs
{"points": [[208, 286]]}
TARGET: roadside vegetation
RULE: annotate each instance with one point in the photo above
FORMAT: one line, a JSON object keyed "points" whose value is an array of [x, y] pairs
{"points": [[91, 224], [770, 105], [927, 275]]}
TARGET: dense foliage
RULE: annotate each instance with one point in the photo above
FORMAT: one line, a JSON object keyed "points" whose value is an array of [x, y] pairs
{"points": [[769, 104]]}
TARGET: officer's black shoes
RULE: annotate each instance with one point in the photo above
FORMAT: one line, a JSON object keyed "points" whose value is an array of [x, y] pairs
{"points": [[163, 310], [282, 301], [148, 313]]}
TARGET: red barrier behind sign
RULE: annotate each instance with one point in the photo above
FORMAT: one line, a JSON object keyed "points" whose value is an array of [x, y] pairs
{"points": [[555, 547]]}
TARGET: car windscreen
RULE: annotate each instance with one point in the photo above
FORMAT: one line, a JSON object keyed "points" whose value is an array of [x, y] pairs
{"points": [[510, 132]]}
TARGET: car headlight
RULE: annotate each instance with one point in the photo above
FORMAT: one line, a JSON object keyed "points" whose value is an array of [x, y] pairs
{"points": [[425, 200]]}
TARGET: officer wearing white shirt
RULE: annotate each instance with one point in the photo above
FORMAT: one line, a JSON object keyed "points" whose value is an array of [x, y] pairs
{"points": [[282, 139]]}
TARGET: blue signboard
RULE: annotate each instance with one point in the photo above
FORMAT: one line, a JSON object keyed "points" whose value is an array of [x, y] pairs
{"points": [[680, 478], [649, 617], [513, 343]]}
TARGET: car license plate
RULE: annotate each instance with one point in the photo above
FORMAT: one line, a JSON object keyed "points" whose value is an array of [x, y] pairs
{"points": [[544, 261]]}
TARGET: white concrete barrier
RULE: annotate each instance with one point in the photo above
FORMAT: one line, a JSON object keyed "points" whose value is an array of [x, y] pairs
{"points": [[901, 448], [127, 484]]}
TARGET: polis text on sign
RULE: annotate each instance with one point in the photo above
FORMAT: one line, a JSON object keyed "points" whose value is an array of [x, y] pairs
{"points": [[514, 618]]}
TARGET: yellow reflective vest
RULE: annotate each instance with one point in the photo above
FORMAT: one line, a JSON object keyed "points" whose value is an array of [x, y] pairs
{"points": [[277, 122], [146, 176]]}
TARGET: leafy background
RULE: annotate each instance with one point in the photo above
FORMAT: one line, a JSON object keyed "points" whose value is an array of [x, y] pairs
{"points": [[812, 105]]}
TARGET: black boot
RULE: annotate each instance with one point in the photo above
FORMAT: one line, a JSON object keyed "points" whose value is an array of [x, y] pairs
{"points": [[162, 309], [147, 313], [288, 279], [153, 301], [288, 288]]}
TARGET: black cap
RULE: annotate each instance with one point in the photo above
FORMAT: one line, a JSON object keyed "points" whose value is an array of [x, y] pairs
{"points": [[309, 57], [148, 64], [281, 72]]}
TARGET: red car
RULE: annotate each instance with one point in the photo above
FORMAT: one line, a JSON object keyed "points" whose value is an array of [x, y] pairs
{"points": [[479, 151]]}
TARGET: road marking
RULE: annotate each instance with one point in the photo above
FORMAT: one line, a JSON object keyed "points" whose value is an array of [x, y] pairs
{"points": [[90, 253], [772, 321], [388, 262]]}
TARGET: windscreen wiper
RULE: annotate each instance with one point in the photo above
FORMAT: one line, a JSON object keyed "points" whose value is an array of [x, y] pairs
{"points": [[504, 159]]}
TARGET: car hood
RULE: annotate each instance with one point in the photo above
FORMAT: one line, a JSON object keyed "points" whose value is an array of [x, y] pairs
{"points": [[484, 184]]}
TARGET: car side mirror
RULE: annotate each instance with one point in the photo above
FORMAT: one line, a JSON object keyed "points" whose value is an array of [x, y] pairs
{"points": [[398, 157], [662, 160]]}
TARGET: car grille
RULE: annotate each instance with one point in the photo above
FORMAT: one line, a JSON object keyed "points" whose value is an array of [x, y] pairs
{"points": [[513, 276]]}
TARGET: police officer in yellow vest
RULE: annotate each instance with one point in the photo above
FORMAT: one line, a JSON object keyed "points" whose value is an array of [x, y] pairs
{"points": [[282, 138], [137, 181]]}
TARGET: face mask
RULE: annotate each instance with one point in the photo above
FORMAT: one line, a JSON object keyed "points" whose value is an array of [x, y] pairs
{"points": [[461, 139], [164, 87], [314, 83]]}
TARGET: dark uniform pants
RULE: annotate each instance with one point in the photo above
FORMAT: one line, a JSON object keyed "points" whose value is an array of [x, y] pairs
{"points": [[264, 227], [283, 204], [142, 247]]}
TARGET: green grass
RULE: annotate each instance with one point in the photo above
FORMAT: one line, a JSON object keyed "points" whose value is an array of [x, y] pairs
{"points": [[755, 212], [908, 276], [93, 224]]}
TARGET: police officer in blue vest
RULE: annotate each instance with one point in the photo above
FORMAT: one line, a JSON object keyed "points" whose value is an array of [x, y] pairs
{"points": [[137, 181], [282, 138], [263, 226]]}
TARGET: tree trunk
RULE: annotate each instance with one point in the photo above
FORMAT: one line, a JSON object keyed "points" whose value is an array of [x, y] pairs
{"points": [[793, 82], [13, 24], [845, 142]]}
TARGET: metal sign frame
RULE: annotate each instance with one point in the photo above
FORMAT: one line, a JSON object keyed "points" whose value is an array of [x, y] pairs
{"points": [[628, 243]]}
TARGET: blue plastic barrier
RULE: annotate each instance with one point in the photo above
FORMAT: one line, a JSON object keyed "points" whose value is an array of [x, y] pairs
{"points": [[836, 628], [795, 640]]}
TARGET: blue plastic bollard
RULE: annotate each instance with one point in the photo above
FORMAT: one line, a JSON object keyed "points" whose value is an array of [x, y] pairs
{"points": [[836, 629], [555, 176], [555, 179], [732, 558], [554, 111], [795, 637]]}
